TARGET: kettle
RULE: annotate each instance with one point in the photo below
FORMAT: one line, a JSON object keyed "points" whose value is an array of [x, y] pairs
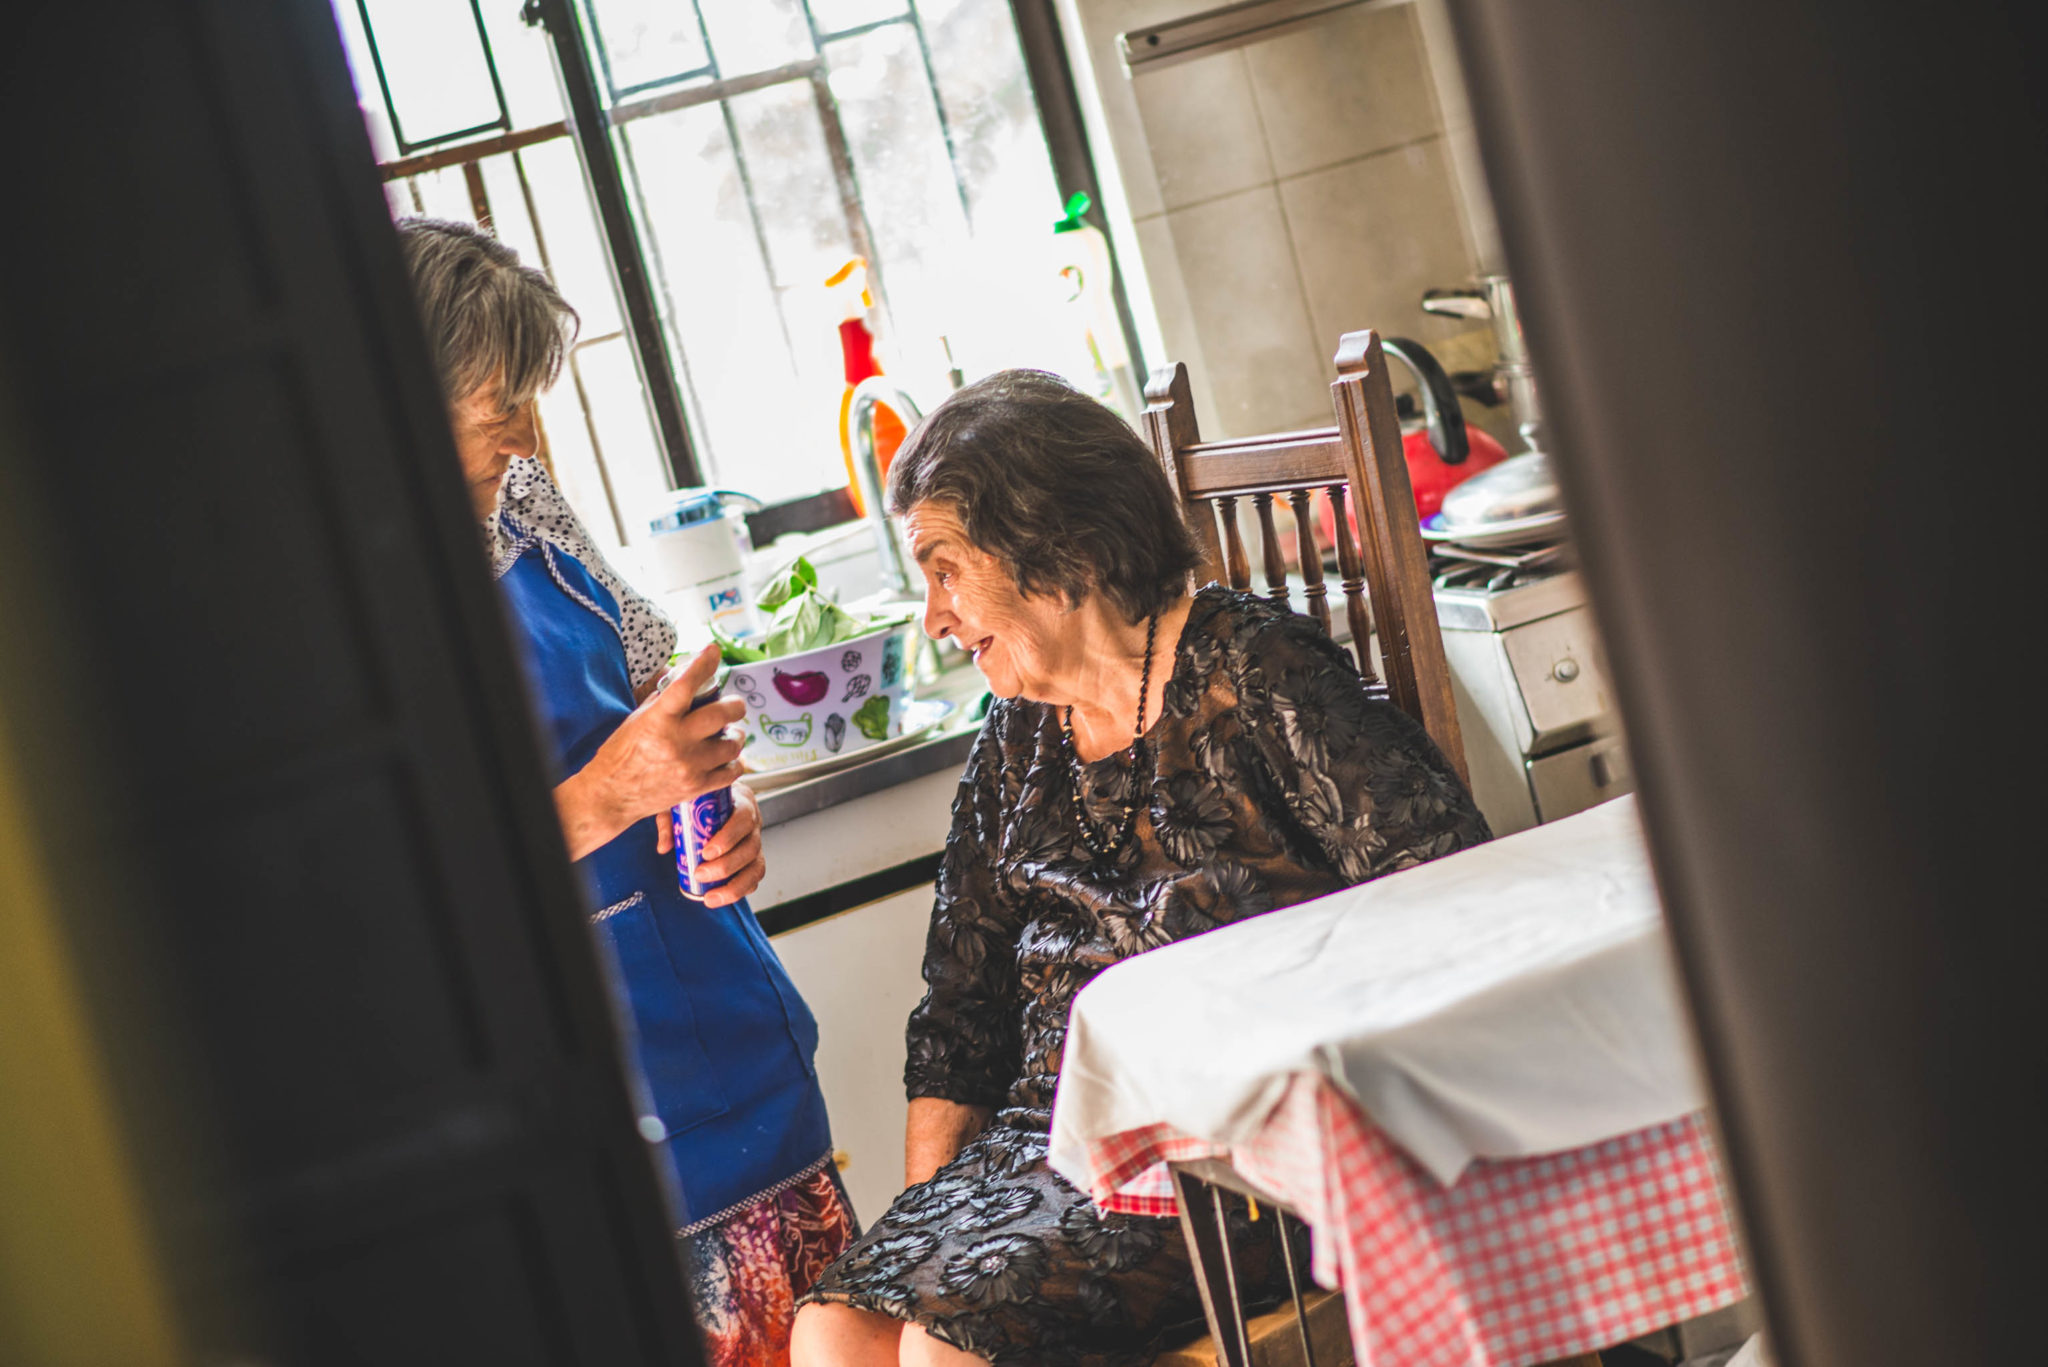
{"points": [[1441, 452]]}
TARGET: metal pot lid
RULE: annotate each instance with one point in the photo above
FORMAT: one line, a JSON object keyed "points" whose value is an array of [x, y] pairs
{"points": [[1515, 490]]}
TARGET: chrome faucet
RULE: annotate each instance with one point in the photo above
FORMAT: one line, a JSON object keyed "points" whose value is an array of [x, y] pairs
{"points": [[867, 471]]}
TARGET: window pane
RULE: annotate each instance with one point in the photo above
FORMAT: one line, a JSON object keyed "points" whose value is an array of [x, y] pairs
{"points": [[835, 16], [618, 410], [576, 461], [442, 194], [576, 253], [756, 35], [1001, 316], [526, 64], [510, 223], [978, 65], [805, 226], [645, 42], [794, 188], [762, 428], [906, 179], [526, 71], [435, 66]]}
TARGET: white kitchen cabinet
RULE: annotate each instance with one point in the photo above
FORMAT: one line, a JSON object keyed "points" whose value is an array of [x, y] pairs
{"points": [[860, 972]]}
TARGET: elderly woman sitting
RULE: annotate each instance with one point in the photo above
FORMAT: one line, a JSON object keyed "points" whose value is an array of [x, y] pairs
{"points": [[1155, 766]]}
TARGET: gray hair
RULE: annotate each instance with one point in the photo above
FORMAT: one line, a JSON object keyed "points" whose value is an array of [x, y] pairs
{"points": [[1056, 486], [488, 318]]}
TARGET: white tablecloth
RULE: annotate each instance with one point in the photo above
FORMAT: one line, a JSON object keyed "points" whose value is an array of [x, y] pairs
{"points": [[1506, 1001]]}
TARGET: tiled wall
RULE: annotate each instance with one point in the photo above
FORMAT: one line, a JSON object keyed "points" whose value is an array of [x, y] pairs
{"points": [[1286, 191]]}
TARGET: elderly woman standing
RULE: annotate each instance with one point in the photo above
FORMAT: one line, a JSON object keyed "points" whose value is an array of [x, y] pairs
{"points": [[723, 1040], [1156, 766]]}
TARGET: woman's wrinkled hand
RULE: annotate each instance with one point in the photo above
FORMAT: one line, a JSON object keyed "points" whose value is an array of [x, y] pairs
{"points": [[734, 853], [661, 755]]}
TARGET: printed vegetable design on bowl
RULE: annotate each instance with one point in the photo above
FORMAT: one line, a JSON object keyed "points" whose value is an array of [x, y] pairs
{"points": [[787, 733], [872, 717], [803, 689]]}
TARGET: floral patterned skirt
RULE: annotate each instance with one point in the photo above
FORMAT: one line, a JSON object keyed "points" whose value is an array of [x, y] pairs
{"points": [[1001, 1256], [749, 1265]]}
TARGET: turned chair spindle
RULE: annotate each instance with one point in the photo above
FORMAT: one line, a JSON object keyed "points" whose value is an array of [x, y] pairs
{"points": [[1351, 571], [1311, 557], [1270, 552], [1237, 568]]}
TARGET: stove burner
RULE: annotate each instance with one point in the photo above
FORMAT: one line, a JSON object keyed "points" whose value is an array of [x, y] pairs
{"points": [[1492, 571]]}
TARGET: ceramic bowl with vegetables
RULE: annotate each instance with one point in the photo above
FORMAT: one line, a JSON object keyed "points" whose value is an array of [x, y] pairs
{"points": [[821, 681]]}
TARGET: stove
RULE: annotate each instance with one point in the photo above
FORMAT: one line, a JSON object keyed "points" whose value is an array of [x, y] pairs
{"points": [[1535, 703]]}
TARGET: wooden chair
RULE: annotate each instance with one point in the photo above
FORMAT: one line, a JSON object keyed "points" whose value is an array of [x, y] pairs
{"points": [[1358, 463]]}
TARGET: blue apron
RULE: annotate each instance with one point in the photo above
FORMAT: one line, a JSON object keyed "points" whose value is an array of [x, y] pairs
{"points": [[724, 1042]]}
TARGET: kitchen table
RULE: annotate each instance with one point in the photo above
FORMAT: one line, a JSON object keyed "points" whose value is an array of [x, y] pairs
{"points": [[1471, 1078]]}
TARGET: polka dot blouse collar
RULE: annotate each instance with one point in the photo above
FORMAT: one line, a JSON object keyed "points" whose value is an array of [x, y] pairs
{"points": [[530, 505]]}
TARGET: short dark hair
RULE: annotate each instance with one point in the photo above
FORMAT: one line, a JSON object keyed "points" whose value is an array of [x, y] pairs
{"points": [[1056, 486], [487, 316]]}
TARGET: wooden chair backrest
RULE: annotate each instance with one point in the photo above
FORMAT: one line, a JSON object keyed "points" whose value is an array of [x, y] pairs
{"points": [[1357, 462]]}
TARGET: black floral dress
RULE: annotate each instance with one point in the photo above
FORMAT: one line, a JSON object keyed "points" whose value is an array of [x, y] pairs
{"points": [[1277, 777]]}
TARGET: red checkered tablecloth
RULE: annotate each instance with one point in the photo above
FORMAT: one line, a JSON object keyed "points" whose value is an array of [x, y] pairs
{"points": [[1520, 1261]]}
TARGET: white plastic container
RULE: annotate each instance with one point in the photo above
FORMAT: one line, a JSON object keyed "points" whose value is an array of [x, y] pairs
{"points": [[695, 555]]}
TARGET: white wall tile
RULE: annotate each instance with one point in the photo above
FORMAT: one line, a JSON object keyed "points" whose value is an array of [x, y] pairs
{"points": [[1261, 363], [1203, 128], [1351, 85], [1371, 236], [1283, 192], [1475, 200]]}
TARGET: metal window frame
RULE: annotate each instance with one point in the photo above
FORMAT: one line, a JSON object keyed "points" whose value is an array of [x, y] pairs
{"points": [[811, 70], [1066, 137], [407, 147], [635, 266], [657, 369], [722, 88], [614, 92]]}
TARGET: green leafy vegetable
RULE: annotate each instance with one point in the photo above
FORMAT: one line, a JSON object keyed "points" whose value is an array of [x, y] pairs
{"points": [[805, 619], [732, 651], [801, 577]]}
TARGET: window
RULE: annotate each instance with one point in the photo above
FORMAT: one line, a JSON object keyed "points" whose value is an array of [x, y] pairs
{"points": [[756, 146]]}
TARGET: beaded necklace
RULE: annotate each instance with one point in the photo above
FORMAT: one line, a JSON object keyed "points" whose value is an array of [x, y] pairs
{"points": [[1107, 846]]}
